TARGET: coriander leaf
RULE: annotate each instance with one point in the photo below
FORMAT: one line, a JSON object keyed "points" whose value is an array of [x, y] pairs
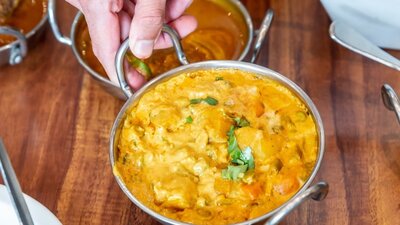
{"points": [[195, 100], [241, 122], [233, 148], [231, 131], [189, 119], [248, 158], [242, 161], [211, 101], [219, 78], [234, 172], [238, 161]]}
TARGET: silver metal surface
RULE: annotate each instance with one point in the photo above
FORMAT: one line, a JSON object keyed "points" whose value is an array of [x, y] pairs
{"points": [[176, 43], [261, 71], [14, 190], [261, 35], [120, 56], [316, 192], [109, 86], [391, 100], [353, 40], [52, 6], [19, 49], [14, 52]]}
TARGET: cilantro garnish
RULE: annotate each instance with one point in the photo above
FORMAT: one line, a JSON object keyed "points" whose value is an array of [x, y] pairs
{"points": [[209, 100], [241, 122], [241, 161], [189, 119]]}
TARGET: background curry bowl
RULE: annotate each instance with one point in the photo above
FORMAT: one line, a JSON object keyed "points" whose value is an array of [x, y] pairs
{"points": [[109, 86], [14, 52]]}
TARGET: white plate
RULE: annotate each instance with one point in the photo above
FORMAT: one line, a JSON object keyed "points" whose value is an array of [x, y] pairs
{"points": [[377, 20], [40, 214]]}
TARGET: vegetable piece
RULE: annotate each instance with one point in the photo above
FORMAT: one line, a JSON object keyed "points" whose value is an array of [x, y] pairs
{"points": [[209, 100], [254, 190], [140, 66], [189, 119], [219, 78]]}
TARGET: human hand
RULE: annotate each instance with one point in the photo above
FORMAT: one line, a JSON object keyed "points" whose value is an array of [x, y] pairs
{"points": [[112, 21]]}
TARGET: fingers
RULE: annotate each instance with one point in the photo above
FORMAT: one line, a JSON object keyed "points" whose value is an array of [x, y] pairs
{"points": [[146, 26], [184, 25], [129, 7], [104, 29], [175, 9], [134, 78], [125, 24]]}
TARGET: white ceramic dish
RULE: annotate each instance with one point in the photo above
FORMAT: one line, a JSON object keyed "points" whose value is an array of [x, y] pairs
{"points": [[377, 20], [40, 214]]}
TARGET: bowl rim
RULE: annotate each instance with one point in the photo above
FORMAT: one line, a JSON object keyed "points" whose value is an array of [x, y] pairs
{"points": [[32, 32], [222, 64], [79, 16]]}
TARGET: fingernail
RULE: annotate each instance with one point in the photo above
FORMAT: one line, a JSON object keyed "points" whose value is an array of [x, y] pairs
{"points": [[143, 48]]}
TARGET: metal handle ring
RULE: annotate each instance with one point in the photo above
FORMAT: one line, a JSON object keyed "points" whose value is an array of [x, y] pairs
{"points": [[260, 35], [18, 50], [54, 25], [317, 192], [119, 58], [391, 100]]}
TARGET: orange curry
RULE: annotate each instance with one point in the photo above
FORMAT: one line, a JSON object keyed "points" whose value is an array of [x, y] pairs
{"points": [[221, 34], [217, 146], [25, 17]]}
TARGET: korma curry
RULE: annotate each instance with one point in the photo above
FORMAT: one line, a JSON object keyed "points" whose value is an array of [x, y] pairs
{"points": [[216, 146]]}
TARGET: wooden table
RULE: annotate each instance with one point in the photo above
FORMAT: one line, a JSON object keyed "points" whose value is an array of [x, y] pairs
{"points": [[55, 121]]}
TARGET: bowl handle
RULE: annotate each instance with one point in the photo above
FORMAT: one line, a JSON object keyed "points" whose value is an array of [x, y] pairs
{"points": [[261, 34], [119, 58], [19, 50], [391, 100], [54, 25], [317, 192]]}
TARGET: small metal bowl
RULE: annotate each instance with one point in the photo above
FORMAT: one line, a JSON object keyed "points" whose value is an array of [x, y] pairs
{"points": [[316, 192], [14, 52], [104, 81]]}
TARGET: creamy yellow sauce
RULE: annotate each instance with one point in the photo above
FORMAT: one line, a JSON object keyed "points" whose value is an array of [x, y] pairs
{"points": [[174, 166]]}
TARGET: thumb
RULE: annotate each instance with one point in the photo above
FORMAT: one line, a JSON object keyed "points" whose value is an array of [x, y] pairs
{"points": [[146, 26]]}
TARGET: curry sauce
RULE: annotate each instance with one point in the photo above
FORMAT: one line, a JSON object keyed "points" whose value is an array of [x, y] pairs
{"points": [[25, 17], [174, 146], [221, 34]]}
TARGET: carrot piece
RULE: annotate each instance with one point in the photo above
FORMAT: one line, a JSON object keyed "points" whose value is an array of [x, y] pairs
{"points": [[254, 189]]}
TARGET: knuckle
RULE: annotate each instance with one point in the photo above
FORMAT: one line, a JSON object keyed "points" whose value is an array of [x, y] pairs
{"points": [[151, 20], [152, 17]]}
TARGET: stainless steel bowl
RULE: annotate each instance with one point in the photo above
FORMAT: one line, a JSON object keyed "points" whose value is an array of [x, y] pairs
{"points": [[317, 192], [14, 52], [105, 82]]}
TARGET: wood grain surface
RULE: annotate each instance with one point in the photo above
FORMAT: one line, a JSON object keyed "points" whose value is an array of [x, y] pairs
{"points": [[55, 121]]}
